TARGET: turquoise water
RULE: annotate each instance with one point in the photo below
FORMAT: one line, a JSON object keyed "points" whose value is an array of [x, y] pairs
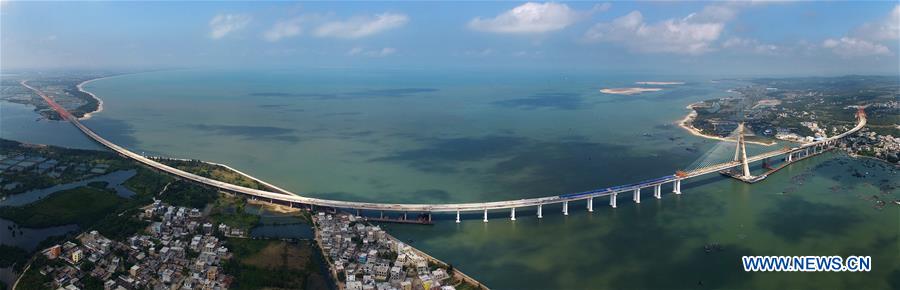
{"points": [[426, 136], [407, 136]]}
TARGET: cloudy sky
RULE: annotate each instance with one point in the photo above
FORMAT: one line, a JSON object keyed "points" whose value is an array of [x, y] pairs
{"points": [[771, 38]]}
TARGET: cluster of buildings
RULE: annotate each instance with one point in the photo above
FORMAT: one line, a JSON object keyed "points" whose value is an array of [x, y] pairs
{"points": [[179, 251], [365, 257], [884, 147]]}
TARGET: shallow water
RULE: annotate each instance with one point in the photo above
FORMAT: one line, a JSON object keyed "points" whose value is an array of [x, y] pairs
{"points": [[113, 181], [279, 225], [28, 238]]}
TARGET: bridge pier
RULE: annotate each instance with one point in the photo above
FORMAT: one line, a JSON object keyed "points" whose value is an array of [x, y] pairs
{"points": [[457, 216], [590, 205], [540, 208], [676, 186], [512, 214], [566, 207], [657, 191], [612, 200], [637, 195], [790, 157], [485, 215]]}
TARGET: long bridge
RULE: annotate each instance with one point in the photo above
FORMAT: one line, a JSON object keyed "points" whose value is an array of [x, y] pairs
{"points": [[294, 200]]}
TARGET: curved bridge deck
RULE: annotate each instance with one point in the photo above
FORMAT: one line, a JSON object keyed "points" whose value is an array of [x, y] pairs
{"points": [[293, 199]]}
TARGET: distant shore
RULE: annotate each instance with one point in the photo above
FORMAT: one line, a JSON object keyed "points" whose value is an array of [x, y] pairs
{"points": [[687, 124], [628, 91], [659, 83], [99, 101]]}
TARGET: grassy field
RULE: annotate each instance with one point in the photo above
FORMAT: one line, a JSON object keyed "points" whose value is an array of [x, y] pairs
{"points": [[260, 264], [147, 181], [215, 172], [82, 205]]}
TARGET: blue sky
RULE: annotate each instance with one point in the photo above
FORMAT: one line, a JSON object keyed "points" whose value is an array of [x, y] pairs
{"points": [[735, 38]]}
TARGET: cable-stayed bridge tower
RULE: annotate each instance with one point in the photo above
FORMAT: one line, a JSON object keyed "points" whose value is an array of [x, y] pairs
{"points": [[740, 153]]}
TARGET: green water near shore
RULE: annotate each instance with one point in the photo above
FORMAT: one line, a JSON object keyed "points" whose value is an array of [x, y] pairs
{"points": [[421, 136]]}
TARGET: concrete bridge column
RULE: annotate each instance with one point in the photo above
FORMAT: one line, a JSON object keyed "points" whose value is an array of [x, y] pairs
{"points": [[591, 204], [566, 207], [790, 157], [657, 191], [381, 214], [485, 215], [612, 200], [457, 216], [512, 214], [637, 195], [540, 209], [676, 186]]}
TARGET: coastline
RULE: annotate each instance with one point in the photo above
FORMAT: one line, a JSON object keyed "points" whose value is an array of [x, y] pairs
{"points": [[99, 109], [686, 124], [629, 91]]}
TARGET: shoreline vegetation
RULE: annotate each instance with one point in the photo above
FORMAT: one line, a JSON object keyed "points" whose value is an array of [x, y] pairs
{"points": [[686, 123]]}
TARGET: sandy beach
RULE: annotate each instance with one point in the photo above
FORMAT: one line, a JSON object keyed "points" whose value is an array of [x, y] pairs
{"points": [[688, 120], [628, 91], [99, 101], [659, 83]]}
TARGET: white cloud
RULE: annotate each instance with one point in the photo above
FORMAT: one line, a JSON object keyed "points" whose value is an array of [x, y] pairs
{"points": [[868, 39], [751, 45], [533, 17], [716, 13], [284, 29], [223, 24], [358, 27], [853, 47], [885, 29], [693, 34], [372, 53]]}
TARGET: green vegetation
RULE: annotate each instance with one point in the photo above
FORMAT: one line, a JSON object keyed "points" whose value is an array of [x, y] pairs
{"points": [[32, 279], [147, 181], [10, 255], [259, 264], [215, 172], [82, 205], [230, 211], [187, 194], [121, 226]]}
